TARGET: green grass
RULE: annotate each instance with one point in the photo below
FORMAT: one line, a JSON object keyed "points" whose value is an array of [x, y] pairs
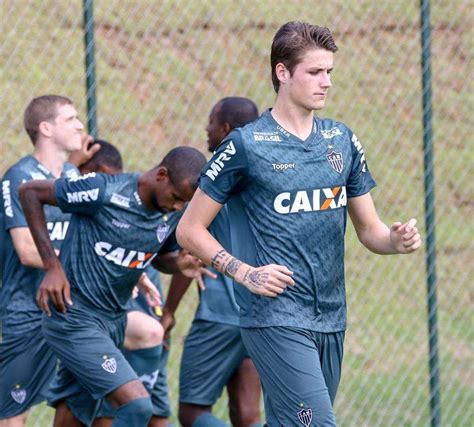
{"points": [[162, 65]]}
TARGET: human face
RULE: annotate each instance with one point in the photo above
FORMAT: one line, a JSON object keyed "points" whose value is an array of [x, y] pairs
{"points": [[311, 79], [170, 197], [215, 130], [66, 129]]}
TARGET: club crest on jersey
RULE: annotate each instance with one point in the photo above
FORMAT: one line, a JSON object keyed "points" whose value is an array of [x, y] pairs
{"points": [[305, 416], [162, 231], [336, 161], [19, 394], [110, 365]]}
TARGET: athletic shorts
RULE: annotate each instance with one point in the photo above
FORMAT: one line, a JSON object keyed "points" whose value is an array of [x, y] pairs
{"points": [[212, 353], [299, 371], [27, 367], [87, 343]]}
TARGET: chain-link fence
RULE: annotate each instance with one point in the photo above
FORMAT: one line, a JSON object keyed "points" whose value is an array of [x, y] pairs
{"points": [[161, 65]]}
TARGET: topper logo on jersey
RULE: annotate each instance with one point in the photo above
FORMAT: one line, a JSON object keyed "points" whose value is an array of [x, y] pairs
{"points": [[123, 257], [57, 230], [7, 198], [359, 148], [319, 199], [83, 196], [218, 163]]}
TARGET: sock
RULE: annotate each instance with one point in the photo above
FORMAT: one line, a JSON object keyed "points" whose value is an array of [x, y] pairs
{"points": [[136, 413], [208, 420], [145, 363]]}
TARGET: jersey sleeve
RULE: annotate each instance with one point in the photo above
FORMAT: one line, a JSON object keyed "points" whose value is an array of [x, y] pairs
{"points": [[170, 244], [13, 212], [83, 195], [360, 180], [226, 173]]}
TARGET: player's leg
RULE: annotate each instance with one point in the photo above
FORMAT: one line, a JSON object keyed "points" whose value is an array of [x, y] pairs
{"points": [[331, 351], [142, 349], [65, 417], [297, 393], [244, 395], [87, 343], [27, 366], [212, 352]]}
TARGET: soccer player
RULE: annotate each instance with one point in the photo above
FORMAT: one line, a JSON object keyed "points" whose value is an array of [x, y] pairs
{"points": [[214, 355], [142, 346], [26, 363], [120, 225], [295, 176]]}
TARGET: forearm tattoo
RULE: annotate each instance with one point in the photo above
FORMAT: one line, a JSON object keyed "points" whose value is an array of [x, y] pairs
{"points": [[256, 278], [225, 263]]}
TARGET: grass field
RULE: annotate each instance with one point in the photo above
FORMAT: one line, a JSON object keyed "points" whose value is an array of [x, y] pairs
{"points": [[162, 65]]}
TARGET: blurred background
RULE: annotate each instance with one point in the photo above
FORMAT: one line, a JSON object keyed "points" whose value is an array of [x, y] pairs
{"points": [[160, 67]]}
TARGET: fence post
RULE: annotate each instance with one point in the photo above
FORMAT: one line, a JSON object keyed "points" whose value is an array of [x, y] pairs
{"points": [[90, 68], [435, 401]]}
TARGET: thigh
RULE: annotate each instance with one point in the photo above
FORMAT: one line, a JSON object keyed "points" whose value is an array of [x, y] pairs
{"points": [[212, 352], [288, 364], [88, 349], [27, 367]]}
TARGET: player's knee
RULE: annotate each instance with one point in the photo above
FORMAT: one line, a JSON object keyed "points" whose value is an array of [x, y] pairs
{"points": [[149, 334], [136, 412], [153, 336]]}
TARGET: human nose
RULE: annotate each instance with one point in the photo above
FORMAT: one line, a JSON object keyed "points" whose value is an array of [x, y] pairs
{"points": [[79, 124], [326, 80]]}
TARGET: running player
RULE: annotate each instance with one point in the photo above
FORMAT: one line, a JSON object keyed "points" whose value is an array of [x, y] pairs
{"points": [[26, 363], [214, 355], [295, 176], [120, 224], [142, 347]]}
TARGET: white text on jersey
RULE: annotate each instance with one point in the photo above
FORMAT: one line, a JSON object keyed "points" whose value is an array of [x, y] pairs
{"points": [[83, 196], [319, 199], [123, 257], [218, 163], [7, 198]]}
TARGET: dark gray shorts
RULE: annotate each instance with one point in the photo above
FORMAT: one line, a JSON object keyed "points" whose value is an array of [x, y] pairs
{"points": [[212, 353], [27, 367], [300, 372]]}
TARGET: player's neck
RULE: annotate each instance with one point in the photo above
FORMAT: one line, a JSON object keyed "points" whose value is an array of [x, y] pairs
{"points": [[50, 157], [294, 119]]}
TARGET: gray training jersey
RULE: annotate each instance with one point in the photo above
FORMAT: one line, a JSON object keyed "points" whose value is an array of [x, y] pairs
{"points": [[18, 308], [290, 208], [112, 237], [217, 302]]}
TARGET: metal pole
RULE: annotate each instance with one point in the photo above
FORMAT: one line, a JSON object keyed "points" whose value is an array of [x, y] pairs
{"points": [[90, 68], [435, 401]]}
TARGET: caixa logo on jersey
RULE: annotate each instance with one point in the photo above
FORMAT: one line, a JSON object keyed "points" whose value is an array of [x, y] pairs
{"points": [[319, 199], [136, 260], [218, 163], [57, 230]]}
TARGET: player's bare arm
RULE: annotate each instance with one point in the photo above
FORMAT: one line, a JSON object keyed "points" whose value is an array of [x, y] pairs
{"points": [[25, 247], [400, 238], [33, 196], [192, 234]]}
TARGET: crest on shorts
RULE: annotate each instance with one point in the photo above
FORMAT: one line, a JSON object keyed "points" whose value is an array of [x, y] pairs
{"points": [[335, 160], [162, 231], [110, 365], [19, 394], [305, 416]]}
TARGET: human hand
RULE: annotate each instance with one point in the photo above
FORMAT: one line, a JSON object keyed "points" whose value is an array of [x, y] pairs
{"points": [[269, 280], [149, 289], [405, 237], [85, 153], [55, 286], [193, 267]]}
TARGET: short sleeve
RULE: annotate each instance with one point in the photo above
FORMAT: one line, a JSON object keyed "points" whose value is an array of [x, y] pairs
{"points": [[170, 244], [83, 195], [12, 209], [226, 173], [360, 180]]}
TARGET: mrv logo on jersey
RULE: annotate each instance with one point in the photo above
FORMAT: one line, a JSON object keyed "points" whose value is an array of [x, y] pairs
{"points": [[83, 196], [218, 163], [319, 199], [124, 257]]}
